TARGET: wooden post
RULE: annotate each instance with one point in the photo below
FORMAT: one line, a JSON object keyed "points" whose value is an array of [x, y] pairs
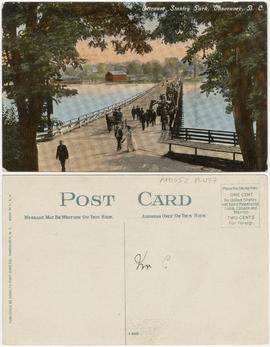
{"points": [[209, 136]]}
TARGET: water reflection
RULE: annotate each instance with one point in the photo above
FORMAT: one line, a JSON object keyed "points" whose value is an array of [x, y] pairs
{"points": [[205, 112]]}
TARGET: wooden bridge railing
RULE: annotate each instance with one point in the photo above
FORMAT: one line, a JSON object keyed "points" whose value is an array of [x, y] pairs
{"points": [[209, 136]]}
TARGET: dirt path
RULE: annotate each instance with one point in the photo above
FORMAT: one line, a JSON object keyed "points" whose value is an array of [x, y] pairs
{"points": [[92, 149]]}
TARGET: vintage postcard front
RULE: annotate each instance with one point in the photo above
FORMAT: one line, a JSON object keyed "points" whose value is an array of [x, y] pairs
{"points": [[134, 86], [152, 259]]}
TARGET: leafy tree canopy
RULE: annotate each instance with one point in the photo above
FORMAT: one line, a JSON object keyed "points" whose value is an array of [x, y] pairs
{"points": [[39, 41], [231, 39]]}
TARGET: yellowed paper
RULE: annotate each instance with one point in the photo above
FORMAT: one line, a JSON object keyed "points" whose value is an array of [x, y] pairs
{"points": [[137, 259]]}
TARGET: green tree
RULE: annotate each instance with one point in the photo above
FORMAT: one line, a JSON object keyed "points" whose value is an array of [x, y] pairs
{"points": [[102, 69], [147, 68], [195, 65], [12, 150], [233, 47], [134, 68], [39, 41], [156, 70], [70, 71], [166, 70], [171, 66]]}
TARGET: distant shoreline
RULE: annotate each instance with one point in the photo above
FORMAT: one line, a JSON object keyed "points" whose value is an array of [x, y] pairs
{"points": [[65, 82], [107, 83], [103, 82], [196, 79]]}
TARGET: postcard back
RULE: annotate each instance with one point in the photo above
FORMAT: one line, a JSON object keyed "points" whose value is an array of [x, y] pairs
{"points": [[135, 259]]}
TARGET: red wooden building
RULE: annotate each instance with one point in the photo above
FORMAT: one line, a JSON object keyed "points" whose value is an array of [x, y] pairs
{"points": [[116, 76]]}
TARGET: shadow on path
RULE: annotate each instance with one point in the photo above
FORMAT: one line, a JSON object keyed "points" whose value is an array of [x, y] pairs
{"points": [[213, 162], [134, 162]]}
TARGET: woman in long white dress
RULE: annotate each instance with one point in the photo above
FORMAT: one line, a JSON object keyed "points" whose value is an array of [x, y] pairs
{"points": [[131, 143]]}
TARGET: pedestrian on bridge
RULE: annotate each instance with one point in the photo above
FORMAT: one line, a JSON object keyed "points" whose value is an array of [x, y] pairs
{"points": [[133, 112], [118, 135], [62, 154], [171, 114], [131, 143], [148, 117], [164, 122], [153, 117], [138, 111], [143, 118], [109, 123]]}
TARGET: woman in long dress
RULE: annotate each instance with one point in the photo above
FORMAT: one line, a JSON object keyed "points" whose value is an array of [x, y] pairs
{"points": [[131, 143]]}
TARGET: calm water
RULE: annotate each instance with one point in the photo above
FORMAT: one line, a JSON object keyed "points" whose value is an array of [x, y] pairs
{"points": [[92, 97], [200, 111], [205, 112]]}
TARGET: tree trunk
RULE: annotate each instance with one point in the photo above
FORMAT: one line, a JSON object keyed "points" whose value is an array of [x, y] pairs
{"points": [[261, 123], [261, 82], [243, 122], [242, 118], [240, 85], [30, 107], [29, 147], [28, 121], [29, 115], [261, 143], [244, 129]]}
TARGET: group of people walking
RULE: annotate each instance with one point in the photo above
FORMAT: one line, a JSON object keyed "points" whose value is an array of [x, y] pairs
{"points": [[122, 131], [166, 110], [145, 117]]}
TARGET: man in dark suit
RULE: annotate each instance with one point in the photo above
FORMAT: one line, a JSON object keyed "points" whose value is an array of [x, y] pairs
{"points": [[118, 135], [143, 118], [62, 154], [133, 112]]}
